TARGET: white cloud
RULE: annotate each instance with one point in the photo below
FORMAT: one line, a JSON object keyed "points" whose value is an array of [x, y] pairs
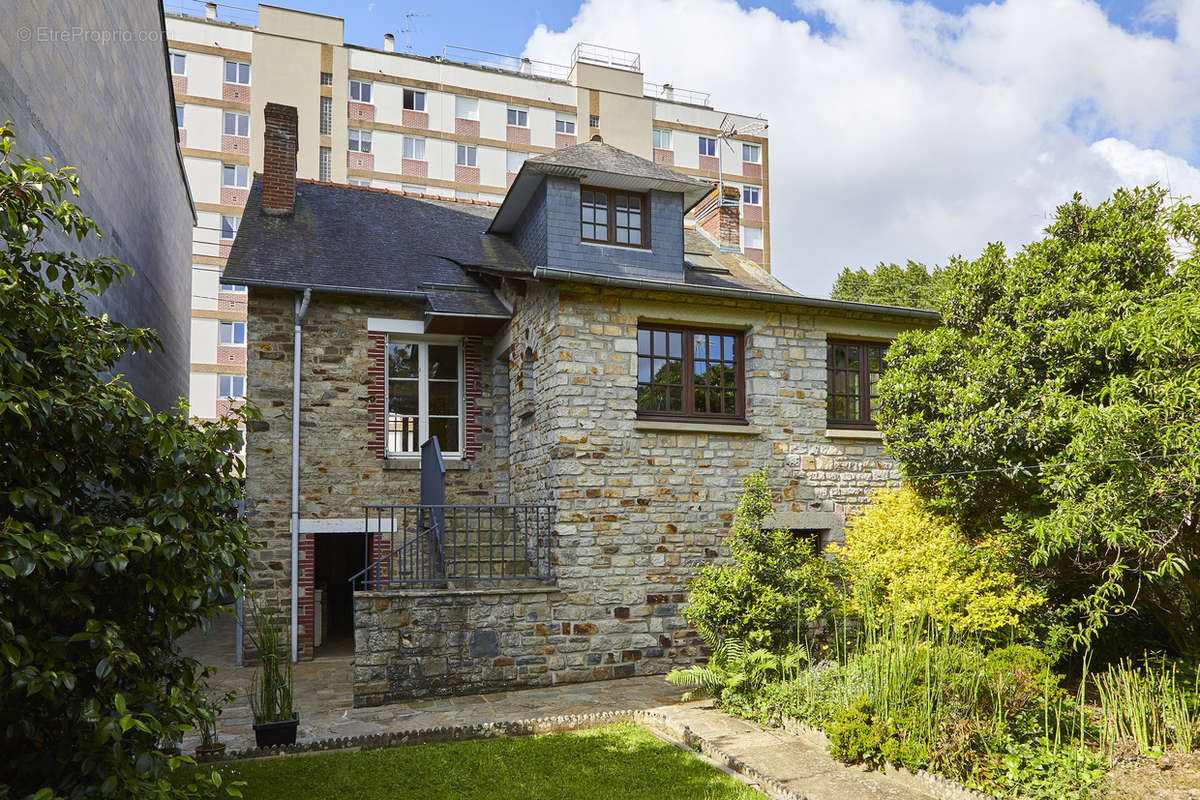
{"points": [[908, 132]]}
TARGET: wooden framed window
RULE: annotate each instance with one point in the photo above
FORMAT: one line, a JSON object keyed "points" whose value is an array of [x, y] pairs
{"points": [[853, 395], [424, 396], [690, 372], [613, 216]]}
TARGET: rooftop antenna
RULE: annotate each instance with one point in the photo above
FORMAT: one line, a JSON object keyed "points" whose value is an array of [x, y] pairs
{"points": [[408, 30], [730, 130]]}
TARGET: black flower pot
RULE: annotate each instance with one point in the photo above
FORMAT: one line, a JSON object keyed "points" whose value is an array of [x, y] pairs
{"points": [[273, 734]]}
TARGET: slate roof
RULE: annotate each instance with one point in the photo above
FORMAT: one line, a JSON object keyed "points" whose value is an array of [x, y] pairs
{"points": [[597, 156], [359, 240]]}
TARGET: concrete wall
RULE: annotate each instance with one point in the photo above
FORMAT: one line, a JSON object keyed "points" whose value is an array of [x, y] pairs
{"points": [[86, 83]]}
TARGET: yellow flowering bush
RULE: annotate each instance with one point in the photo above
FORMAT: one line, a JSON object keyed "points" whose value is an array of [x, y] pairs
{"points": [[904, 560]]}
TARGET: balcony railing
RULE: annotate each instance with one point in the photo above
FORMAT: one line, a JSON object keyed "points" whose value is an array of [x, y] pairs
{"points": [[606, 56], [440, 545], [668, 93], [504, 63]]}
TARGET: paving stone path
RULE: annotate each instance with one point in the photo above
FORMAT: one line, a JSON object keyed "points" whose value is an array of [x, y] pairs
{"points": [[324, 699]]}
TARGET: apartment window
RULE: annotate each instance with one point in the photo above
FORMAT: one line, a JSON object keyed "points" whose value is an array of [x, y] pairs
{"points": [[414, 100], [327, 79], [326, 116], [752, 237], [751, 153], [461, 195], [424, 382], [324, 164], [235, 176], [360, 91], [360, 141], [414, 147], [853, 376], [178, 64], [178, 116], [564, 124], [232, 386], [466, 155], [515, 160], [750, 196], [360, 182], [237, 72], [229, 226], [690, 372], [708, 146], [609, 216], [662, 139], [466, 107], [232, 333], [594, 121], [232, 287], [236, 124], [518, 117]]}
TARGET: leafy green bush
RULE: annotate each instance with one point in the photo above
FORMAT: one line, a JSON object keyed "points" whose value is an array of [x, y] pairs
{"points": [[906, 563], [775, 591], [735, 674], [119, 528], [859, 735]]}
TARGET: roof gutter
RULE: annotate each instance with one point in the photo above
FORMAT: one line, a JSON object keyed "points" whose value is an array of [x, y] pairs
{"points": [[548, 273], [318, 287]]}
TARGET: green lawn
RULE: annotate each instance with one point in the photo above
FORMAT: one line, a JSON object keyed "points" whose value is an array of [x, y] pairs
{"points": [[615, 762]]}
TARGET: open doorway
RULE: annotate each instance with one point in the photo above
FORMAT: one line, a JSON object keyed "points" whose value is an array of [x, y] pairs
{"points": [[337, 556]]}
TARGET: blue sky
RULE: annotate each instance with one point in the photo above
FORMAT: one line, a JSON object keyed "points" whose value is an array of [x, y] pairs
{"points": [[505, 26]]}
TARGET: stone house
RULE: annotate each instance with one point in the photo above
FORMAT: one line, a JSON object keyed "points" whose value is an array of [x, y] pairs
{"points": [[600, 372]]}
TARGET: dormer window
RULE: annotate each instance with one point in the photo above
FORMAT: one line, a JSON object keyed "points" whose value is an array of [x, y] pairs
{"points": [[613, 216]]}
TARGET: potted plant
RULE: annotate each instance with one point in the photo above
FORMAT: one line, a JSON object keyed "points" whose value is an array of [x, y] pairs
{"points": [[275, 719], [211, 747]]}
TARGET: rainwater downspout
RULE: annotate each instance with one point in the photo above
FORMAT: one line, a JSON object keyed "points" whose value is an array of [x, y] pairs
{"points": [[301, 308]]}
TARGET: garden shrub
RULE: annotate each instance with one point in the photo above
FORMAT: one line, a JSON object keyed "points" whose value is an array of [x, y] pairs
{"points": [[906, 563], [776, 588], [858, 734]]}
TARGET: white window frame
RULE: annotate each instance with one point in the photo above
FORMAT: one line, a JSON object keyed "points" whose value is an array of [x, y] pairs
{"points": [[233, 381], [325, 116], [757, 191], [423, 343], [746, 232], [236, 222], [561, 122], [325, 164], [237, 119], [362, 89], [179, 59], [508, 160], [360, 182], [237, 72], [661, 139], [470, 151], [751, 150], [241, 176], [413, 145], [358, 140], [233, 329], [327, 79], [466, 107], [233, 287], [179, 115], [521, 115], [417, 95], [593, 120], [712, 145]]}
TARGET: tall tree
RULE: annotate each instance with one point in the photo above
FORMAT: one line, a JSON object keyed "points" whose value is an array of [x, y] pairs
{"points": [[912, 285], [1060, 400], [118, 527]]}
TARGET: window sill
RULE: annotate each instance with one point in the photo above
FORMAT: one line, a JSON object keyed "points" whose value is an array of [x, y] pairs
{"points": [[634, 247], [853, 433], [391, 463], [682, 426]]}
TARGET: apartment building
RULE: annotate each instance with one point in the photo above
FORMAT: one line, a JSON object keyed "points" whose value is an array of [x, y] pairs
{"points": [[455, 126]]}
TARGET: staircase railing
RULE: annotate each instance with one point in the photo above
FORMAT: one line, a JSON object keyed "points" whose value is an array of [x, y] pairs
{"points": [[424, 545]]}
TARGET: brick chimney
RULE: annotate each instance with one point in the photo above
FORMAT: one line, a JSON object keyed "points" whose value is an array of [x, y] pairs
{"points": [[279, 159], [721, 219]]}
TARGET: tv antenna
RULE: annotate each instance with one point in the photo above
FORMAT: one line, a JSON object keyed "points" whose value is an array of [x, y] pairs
{"points": [[731, 130], [408, 30]]}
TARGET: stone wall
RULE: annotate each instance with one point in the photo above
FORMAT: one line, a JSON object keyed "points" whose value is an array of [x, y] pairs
{"points": [[86, 84]]}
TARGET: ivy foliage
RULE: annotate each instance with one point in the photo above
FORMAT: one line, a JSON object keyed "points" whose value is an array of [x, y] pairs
{"points": [[774, 590], [118, 526], [906, 564], [1060, 401]]}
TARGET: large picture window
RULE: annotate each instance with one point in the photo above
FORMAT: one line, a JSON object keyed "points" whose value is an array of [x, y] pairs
{"points": [[424, 396], [610, 216], [853, 394], [690, 372]]}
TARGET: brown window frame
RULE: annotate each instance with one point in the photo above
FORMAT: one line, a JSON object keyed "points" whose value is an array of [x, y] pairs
{"points": [[611, 195], [687, 357], [863, 421]]}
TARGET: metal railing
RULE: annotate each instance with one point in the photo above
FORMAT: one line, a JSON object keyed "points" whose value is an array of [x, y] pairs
{"points": [[431, 545], [504, 63], [670, 94], [607, 56]]}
